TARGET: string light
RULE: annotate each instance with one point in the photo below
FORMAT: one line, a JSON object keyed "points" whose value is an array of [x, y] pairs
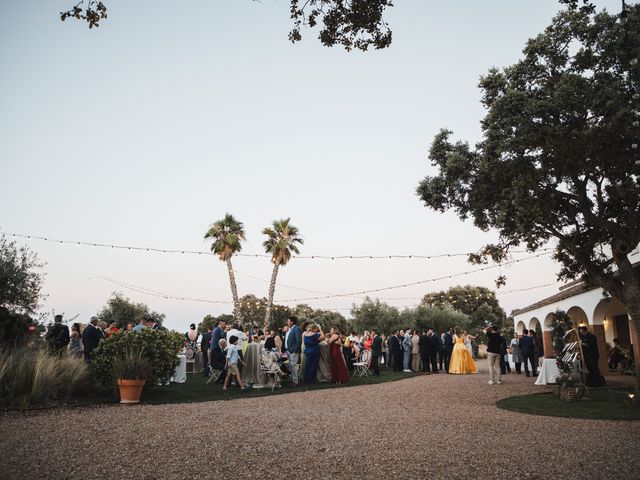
{"points": [[250, 305], [327, 296], [247, 255], [420, 282]]}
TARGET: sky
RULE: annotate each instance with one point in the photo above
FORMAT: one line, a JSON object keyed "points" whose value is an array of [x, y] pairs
{"points": [[148, 129]]}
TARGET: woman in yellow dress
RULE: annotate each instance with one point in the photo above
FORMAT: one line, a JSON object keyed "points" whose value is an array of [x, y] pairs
{"points": [[461, 360]]}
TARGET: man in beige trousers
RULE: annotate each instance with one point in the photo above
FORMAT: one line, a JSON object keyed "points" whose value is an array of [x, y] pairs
{"points": [[493, 354]]}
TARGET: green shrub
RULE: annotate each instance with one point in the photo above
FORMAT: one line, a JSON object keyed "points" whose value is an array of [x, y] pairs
{"points": [[159, 347], [36, 377]]}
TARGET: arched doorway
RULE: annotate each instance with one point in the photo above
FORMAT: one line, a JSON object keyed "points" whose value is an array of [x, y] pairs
{"points": [[547, 335], [534, 324], [520, 327], [578, 316], [611, 320]]}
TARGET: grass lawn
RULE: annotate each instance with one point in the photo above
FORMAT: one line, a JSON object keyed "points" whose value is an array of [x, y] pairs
{"points": [[603, 404], [197, 390]]}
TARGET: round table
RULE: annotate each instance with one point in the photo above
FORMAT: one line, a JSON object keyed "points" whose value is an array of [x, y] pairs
{"points": [[180, 373], [251, 372], [548, 372]]}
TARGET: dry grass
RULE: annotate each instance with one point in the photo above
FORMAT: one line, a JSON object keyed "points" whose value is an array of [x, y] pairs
{"points": [[36, 377]]}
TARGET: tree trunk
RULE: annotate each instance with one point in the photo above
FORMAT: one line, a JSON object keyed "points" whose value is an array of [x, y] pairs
{"points": [[272, 289], [634, 315], [237, 313]]}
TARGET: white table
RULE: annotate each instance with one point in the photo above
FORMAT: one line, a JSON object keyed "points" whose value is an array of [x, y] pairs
{"points": [[548, 372], [180, 373]]}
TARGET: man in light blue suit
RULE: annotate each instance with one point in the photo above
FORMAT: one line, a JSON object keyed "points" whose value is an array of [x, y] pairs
{"points": [[293, 344]]}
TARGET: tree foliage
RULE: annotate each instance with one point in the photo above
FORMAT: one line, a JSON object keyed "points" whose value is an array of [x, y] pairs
{"points": [[121, 310], [227, 235], [91, 12], [385, 318], [352, 24], [557, 160], [325, 318], [479, 303], [20, 278], [282, 241]]}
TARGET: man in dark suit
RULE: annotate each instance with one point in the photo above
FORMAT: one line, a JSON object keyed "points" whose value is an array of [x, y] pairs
{"points": [[424, 344], [436, 347], [205, 344], [538, 347], [447, 345], [376, 353], [527, 350], [395, 349], [91, 336], [293, 343], [218, 333], [58, 336], [591, 355]]}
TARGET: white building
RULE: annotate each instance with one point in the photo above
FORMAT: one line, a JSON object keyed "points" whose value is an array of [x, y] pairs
{"points": [[606, 317]]}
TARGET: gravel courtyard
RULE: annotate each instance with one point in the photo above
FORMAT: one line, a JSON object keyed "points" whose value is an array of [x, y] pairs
{"points": [[437, 426]]}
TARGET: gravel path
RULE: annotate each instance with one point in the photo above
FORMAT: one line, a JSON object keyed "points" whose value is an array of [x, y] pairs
{"points": [[437, 426]]}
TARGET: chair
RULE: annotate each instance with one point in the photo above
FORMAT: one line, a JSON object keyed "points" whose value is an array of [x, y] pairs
{"points": [[214, 375], [361, 367], [269, 367]]}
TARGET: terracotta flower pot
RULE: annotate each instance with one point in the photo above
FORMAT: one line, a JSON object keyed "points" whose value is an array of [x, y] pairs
{"points": [[130, 390]]}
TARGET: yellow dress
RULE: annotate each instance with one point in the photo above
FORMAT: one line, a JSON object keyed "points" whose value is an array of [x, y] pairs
{"points": [[461, 360]]}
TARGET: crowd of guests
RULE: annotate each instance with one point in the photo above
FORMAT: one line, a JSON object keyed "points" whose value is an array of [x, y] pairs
{"points": [[82, 340], [426, 351]]}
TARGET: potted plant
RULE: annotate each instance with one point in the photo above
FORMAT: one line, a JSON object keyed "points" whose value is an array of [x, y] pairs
{"points": [[570, 386], [131, 371]]}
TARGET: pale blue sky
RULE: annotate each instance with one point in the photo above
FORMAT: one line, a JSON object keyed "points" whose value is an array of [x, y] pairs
{"points": [[150, 128]]}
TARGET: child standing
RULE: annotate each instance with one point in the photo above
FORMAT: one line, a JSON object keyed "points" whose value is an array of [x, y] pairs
{"points": [[233, 357]]}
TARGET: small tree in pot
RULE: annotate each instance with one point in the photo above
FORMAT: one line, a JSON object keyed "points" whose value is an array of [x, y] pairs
{"points": [[131, 370]]}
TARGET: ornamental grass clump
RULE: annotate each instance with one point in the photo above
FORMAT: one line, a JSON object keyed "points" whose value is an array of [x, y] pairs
{"points": [[133, 365], [36, 377]]}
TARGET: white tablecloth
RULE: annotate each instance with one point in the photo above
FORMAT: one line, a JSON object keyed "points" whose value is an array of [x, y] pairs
{"points": [[180, 373], [548, 372]]}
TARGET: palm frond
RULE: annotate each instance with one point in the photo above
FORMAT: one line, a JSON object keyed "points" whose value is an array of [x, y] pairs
{"points": [[228, 234]]}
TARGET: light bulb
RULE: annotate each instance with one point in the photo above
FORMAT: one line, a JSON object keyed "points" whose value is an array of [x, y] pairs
{"points": [[635, 145], [633, 61], [636, 96]]}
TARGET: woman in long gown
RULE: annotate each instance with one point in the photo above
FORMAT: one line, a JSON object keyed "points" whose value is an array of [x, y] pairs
{"points": [[461, 360], [311, 339], [339, 372]]}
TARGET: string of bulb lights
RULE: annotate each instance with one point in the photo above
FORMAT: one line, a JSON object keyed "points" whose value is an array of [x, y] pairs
{"points": [[133, 248], [262, 303], [258, 303]]}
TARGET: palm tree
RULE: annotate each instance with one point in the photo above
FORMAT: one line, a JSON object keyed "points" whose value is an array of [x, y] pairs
{"points": [[281, 241], [227, 235]]}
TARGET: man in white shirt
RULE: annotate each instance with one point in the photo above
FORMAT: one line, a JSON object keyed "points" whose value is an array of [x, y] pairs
{"points": [[235, 331]]}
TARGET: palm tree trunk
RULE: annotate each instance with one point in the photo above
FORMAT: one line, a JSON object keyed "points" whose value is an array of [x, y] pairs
{"points": [[272, 289], [234, 293]]}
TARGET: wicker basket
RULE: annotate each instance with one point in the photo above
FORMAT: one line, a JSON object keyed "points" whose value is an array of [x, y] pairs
{"points": [[570, 394]]}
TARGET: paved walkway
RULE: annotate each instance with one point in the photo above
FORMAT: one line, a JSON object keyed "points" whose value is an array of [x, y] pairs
{"points": [[437, 426]]}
